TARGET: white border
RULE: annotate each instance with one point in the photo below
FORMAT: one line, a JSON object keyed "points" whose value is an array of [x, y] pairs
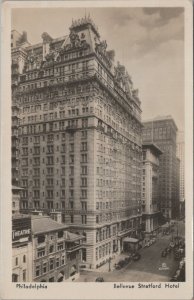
{"points": [[89, 290]]}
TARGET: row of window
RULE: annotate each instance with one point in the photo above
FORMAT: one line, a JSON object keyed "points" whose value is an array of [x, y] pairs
{"points": [[50, 195], [50, 171], [17, 260], [49, 160], [50, 182], [50, 265]]}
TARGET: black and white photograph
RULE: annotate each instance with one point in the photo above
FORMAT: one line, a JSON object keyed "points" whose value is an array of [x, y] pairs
{"points": [[98, 142]]}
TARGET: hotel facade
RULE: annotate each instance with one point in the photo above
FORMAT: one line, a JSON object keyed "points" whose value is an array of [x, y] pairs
{"points": [[79, 137]]}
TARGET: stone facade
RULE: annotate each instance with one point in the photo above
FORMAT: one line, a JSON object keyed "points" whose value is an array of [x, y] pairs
{"points": [[79, 137]]}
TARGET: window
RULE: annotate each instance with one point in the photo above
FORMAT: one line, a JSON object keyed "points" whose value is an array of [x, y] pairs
{"points": [[63, 193], [57, 262], [60, 246], [36, 194], [97, 219], [71, 147], [63, 171], [84, 146], [41, 252], [50, 171], [71, 159], [62, 260], [44, 267], [16, 261], [63, 159], [50, 204], [50, 195], [84, 181], [41, 239], [71, 170], [84, 158], [24, 258], [60, 234], [72, 219], [51, 263], [84, 170], [37, 271], [50, 160], [24, 275], [84, 194], [51, 249], [84, 123], [84, 205], [84, 219]]}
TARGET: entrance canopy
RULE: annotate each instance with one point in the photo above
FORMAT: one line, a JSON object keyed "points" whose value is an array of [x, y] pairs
{"points": [[165, 226], [130, 240]]}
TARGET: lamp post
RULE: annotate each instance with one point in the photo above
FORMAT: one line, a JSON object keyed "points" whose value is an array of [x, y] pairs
{"points": [[109, 261]]}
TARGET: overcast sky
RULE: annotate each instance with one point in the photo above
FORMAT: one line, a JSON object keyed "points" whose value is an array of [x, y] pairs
{"points": [[148, 41]]}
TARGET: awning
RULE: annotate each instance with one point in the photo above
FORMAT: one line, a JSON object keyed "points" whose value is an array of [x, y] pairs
{"points": [[73, 270], [130, 240], [165, 226], [60, 275]]}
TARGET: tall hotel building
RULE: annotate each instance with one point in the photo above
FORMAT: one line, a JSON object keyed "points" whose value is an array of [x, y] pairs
{"points": [[79, 137], [162, 131]]}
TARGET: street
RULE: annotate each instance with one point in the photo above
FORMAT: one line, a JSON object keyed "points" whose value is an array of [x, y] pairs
{"points": [[151, 267]]}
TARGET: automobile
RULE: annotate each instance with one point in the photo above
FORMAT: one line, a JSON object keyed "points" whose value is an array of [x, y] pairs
{"points": [[99, 279], [136, 256], [148, 243], [122, 263], [127, 259], [164, 253], [168, 250], [117, 267], [171, 245], [176, 276]]}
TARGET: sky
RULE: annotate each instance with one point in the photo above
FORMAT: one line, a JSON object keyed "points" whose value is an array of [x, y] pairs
{"points": [[148, 41]]}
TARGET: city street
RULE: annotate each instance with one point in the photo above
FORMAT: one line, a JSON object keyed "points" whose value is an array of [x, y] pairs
{"points": [[146, 269]]}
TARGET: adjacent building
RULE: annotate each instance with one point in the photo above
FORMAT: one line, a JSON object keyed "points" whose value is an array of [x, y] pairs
{"points": [[162, 131], [79, 137], [44, 250], [150, 187], [57, 253], [181, 156], [21, 248]]}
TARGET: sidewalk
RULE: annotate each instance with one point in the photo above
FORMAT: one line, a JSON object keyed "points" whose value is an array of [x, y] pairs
{"points": [[116, 258]]}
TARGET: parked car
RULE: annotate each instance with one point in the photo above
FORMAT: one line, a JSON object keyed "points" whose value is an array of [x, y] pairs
{"points": [[117, 267], [122, 263], [136, 256], [164, 253], [99, 279]]}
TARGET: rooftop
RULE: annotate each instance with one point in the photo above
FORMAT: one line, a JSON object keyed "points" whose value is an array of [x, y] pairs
{"points": [[153, 146], [43, 224], [161, 118]]}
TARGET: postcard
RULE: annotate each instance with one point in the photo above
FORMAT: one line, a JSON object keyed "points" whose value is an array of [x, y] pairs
{"points": [[96, 150]]}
